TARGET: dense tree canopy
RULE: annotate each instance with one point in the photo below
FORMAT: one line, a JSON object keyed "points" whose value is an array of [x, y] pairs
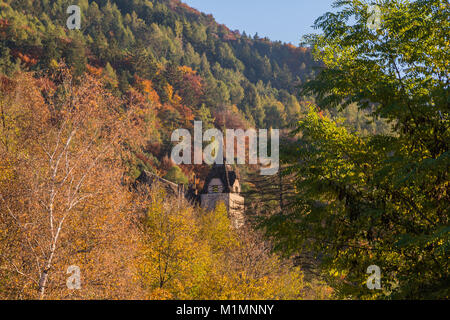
{"points": [[377, 199], [364, 177]]}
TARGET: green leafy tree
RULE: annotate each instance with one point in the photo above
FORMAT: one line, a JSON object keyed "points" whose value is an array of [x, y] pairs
{"points": [[176, 175], [7, 66], [380, 199]]}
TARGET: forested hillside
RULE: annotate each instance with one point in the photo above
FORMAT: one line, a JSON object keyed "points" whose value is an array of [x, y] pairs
{"points": [[85, 112], [183, 63], [364, 153], [379, 200], [189, 58]]}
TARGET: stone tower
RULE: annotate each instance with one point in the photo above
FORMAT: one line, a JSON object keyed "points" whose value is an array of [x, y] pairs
{"points": [[222, 184]]}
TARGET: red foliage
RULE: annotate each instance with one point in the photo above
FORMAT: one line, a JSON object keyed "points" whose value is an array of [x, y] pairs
{"points": [[145, 159], [155, 149], [191, 86], [178, 4], [233, 120], [186, 112], [6, 84], [4, 23], [166, 163]]}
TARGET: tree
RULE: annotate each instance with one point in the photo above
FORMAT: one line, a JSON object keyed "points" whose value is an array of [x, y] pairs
{"points": [[6, 65], [64, 149], [381, 199], [193, 254], [169, 247], [176, 175], [217, 228], [76, 55], [204, 115]]}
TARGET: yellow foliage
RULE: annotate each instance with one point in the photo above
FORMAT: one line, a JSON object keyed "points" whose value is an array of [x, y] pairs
{"points": [[198, 255], [216, 228], [187, 70], [128, 245], [168, 90]]}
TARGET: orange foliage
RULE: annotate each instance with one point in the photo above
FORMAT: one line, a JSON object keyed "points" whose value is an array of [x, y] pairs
{"points": [[231, 36], [67, 204], [187, 113], [187, 70], [94, 71], [178, 4], [4, 23], [291, 46], [29, 61], [168, 90], [146, 86]]}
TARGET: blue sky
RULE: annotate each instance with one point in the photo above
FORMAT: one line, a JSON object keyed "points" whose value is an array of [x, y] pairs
{"points": [[285, 20]]}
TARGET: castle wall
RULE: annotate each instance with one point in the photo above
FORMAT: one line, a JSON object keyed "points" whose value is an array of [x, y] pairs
{"points": [[236, 210], [233, 201], [210, 200]]}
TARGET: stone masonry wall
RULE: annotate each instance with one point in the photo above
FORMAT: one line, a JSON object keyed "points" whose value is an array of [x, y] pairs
{"points": [[234, 203]]}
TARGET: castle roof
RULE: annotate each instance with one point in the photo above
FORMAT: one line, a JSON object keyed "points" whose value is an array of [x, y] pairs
{"points": [[225, 173]]}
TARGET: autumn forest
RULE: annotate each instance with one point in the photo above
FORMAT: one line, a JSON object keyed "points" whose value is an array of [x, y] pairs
{"points": [[362, 184]]}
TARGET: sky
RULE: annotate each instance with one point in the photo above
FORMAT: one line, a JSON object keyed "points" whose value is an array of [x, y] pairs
{"points": [[284, 20]]}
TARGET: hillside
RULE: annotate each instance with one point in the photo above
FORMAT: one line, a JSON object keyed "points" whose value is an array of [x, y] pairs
{"points": [[185, 64], [151, 40], [85, 112], [362, 182]]}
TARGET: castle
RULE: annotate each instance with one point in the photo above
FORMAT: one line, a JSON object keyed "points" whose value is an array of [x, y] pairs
{"points": [[221, 185]]}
